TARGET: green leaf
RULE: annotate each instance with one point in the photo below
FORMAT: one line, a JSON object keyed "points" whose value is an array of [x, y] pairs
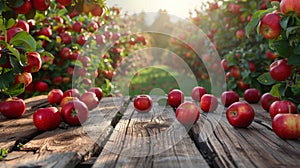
{"points": [[294, 59], [291, 30], [297, 50], [252, 26], [266, 79], [283, 48], [15, 90], [24, 39], [14, 51], [6, 79], [284, 22], [10, 23], [275, 90]]}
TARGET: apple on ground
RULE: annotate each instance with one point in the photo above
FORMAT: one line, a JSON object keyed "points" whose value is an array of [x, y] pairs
{"points": [[13, 107], [187, 113], [142, 103], [67, 99], [287, 126], [280, 70], [208, 103], [197, 93], [55, 96], [175, 98], [90, 99], [71, 93], [229, 97], [75, 112], [252, 95], [282, 106], [266, 100], [46, 118], [240, 114], [98, 91]]}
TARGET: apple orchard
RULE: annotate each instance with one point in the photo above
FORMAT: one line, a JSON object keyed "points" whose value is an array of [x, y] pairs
{"points": [[70, 50]]}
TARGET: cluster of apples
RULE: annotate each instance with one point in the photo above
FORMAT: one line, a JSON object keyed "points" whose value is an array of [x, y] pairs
{"points": [[70, 106], [240, 114]]}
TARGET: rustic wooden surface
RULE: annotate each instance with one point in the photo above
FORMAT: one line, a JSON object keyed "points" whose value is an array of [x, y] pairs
{"points": [[73, 143], [150, 140], [115, 135], [255, 146]]}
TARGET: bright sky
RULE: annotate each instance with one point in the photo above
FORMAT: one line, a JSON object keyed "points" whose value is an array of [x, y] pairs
{"points": [[179, 8]]}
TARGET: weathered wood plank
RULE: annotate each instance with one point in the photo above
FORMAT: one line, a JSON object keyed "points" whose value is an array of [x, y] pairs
{"points": [[13, 130], [154, 139], [256, 146], [75, 144]]}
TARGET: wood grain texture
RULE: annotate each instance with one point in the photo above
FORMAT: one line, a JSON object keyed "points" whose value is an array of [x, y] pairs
{"points": [[153, 139], [255, 146], [72, 144], [13, 131]]}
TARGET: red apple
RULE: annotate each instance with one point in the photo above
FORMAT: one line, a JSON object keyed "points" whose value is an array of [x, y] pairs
{"points": [[55, 96], [24, 8], [24, 77], [13, 107], [142, 103], [252, 66], [198, 92], [270, 26], [287, 126], [240, 34], [290, 7], [235, 72], [65, 53], [97, 11], [242, 85], [240, 114], [23, 25], [65, 2], [224, 64], [175, 98], [208, 103], [34, 62], [72, 93], [75, 112], [282, 106], [266, 100], [252, 95], [77, 26], [187, 113], [229, 97], [90, 99], [46, 31], [41, 5], [67, 99], [10, 33], [97, 91], [280, 70], [271, 55], [65, 38], [41, 86], [46, 118]]}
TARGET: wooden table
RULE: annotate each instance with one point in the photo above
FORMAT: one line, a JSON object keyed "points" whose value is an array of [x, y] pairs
{"points": [[115, 135]]}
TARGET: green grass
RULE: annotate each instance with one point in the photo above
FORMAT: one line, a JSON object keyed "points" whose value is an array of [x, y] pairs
{"points": [[160, 80]]}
